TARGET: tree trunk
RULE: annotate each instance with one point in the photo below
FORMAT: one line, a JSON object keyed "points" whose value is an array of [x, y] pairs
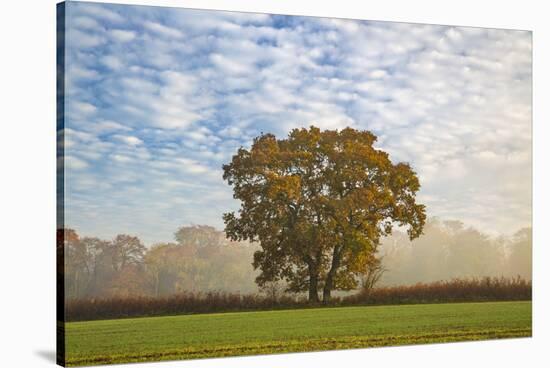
{"points": [[157, 284], [327, 290], [76, 281], [313, 285], [329, 281]]}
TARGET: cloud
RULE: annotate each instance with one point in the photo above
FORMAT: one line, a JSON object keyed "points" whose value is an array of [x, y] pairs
{"points": [[85, 22], [128, 139], [101, 12], [82, 73], [229, 66], [192, 166], [83, 108], [121, 35], [85, 40], [160, 99], [111, 62], [163, 30], [74, 163], [107, 126], [378, 73], [121, 158]]}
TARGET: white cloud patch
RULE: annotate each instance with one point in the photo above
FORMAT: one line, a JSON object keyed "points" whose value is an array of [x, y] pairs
{"points": [[84, 39], [163, 30], [85, 23], [83, 108], [128, 139], [73, 163], [111, 62], [107, 126], [101, 12], [121, 35]]}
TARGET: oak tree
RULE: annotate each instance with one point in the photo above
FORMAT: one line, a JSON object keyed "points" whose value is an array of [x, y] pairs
{"points": [[318, 203]]}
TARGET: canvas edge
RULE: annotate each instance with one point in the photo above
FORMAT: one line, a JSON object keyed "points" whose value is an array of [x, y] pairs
{"points": [[60, 187]]}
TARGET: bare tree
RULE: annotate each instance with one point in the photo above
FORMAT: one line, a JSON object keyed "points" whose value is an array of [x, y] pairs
{"points": [[272, 290], [373, 273]]}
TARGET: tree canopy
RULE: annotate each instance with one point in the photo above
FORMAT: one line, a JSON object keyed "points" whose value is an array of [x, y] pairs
{"points": [[318, 203], [201, 260]]}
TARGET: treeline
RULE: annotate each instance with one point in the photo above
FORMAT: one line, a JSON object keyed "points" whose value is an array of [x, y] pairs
{"points": [[200, 259], [465, 290], [449, 250]]}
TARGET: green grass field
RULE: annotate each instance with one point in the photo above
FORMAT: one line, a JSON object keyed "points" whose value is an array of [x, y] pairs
{"points": [[227, 334]]}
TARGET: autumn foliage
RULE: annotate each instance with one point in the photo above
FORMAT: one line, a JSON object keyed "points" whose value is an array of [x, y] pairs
{"points": [[318, 203], [201, 259]]}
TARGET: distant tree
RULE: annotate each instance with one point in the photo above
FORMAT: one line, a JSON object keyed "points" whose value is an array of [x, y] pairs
{"points": [[520, 260], [157, 262], [75, 261], [97, 265], [91, 267], [318, 202], [450, 249], [131, 280], [201, 260], [424, 261], [127, 250], [472, 253], [66, 237], [216, 264], [199, 235]]}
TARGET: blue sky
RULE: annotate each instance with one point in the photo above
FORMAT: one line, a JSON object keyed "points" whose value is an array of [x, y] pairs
{"points": [[158, 99]]}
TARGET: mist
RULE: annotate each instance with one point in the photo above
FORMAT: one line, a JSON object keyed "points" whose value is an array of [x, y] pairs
{"points": [[448, 249], [201, 260]]}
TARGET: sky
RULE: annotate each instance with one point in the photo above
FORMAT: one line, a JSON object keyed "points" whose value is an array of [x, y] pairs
{"points": [[158, 99]]}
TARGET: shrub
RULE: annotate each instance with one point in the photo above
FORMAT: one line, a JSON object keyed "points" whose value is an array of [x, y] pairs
{"points": [[457, 290]]}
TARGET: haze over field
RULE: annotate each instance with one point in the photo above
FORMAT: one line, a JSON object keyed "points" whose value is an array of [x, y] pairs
{"points": [[202, 260], [158, 99]]}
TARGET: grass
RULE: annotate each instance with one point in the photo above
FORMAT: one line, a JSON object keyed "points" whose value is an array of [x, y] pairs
{"points": [[245, 333]]}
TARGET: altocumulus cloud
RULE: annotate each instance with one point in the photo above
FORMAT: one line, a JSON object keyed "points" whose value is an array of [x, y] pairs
{"points": [[159, 98]]}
